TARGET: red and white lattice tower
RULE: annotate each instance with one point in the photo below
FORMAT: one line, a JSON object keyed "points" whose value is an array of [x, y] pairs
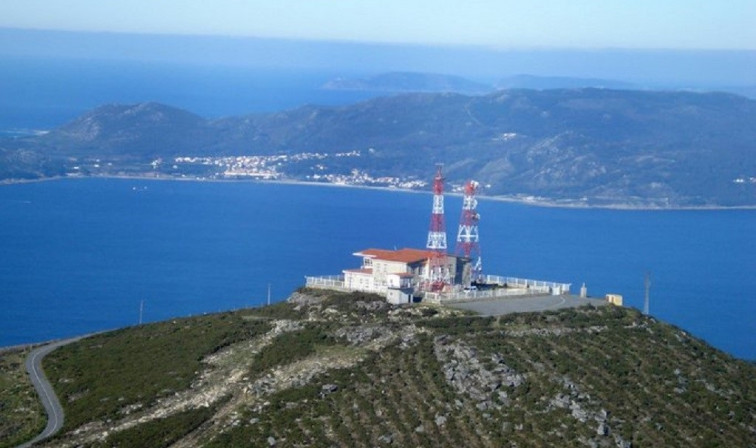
{"points": [[468, 239], [438, 273]]}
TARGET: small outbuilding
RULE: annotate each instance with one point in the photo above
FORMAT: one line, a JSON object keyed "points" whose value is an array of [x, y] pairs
{"points": [[399, 289]]}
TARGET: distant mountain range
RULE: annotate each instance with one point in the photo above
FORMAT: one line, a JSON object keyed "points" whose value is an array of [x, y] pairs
{"points": [[569, 146], [396, 82], [403, 82], [560, 82]]}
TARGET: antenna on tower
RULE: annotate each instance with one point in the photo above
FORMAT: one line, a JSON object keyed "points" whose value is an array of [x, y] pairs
{"points": [[438, 273], [468, 239], [647, 284]]}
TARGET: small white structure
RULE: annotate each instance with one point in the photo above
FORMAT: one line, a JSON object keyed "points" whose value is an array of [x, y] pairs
{"points": [[399, 288]]}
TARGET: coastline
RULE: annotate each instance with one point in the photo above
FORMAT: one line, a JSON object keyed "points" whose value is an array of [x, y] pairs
{"points": [[529, 201]]}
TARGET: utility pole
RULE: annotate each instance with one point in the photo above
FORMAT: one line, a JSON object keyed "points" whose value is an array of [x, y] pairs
{"points": [[141, 311], [647, 284], [268, 294]]}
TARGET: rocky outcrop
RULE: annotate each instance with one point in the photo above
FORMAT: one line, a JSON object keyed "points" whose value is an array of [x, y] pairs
{"points": [[487, 385], [585, 409], [301, 298]]}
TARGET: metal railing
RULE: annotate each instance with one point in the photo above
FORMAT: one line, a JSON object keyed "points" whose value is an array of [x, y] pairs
{"points": [[337, 282], [509, 287], [539, 285], [326, 281]]}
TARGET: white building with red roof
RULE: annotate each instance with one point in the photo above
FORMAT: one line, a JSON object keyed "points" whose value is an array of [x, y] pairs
{"points": [[398, 273]]}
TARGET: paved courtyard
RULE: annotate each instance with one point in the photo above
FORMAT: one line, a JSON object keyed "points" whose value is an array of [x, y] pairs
{"points": [[507, 305]]}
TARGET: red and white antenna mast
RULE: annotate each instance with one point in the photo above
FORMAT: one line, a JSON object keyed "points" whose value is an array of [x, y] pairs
{"points": [[468, 239], [438, 273]]}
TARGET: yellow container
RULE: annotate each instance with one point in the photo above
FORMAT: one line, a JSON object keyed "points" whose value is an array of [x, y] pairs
{"points": [[614, 299]]}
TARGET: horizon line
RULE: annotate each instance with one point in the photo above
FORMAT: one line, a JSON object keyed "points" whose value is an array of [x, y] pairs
{"points": [[388, 43]]}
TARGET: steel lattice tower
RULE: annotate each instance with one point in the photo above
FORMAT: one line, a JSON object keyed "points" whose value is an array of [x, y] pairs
{"points": [[438, 273], [468, 239]]}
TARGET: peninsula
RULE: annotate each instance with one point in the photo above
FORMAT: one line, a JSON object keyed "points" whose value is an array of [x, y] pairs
{"points": [[570, 147]]}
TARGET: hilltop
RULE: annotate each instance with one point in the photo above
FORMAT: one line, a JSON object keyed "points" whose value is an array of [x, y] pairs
{"points": [[571, 146], [337, 369]]}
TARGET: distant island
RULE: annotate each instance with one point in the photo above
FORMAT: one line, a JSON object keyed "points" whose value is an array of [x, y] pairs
{"points": [[570, 147], [410, 82], [405, 82]]}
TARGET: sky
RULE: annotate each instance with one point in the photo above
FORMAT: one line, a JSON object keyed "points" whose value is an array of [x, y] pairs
{"points": [[497, 24]]}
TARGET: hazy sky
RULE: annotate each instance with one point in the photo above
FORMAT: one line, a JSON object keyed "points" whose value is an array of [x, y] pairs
{"points": [[668, 24]]}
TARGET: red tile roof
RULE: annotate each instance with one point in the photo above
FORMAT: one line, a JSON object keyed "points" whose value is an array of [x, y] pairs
{"points": [[401, 255]]}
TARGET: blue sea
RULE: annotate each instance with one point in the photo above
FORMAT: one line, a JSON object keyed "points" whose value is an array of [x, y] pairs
{"points": [[42, 93], [82, 255]]}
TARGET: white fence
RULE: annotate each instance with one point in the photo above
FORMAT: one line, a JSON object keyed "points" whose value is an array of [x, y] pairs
{"points": [[338, 282], [538, 285], [510, 287], [327, 281]]}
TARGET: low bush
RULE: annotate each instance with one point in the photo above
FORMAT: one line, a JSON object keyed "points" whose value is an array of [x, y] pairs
{"points": [[97, 376], [161, 432]]}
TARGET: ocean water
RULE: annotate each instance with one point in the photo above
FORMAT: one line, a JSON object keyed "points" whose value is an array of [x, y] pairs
{"points": [[43, 93], [81, 255]]}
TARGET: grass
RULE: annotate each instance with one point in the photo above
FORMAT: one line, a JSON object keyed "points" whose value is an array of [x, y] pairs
{"points": [[21, 414], [162, 432], [96, 377], [289, 347]]}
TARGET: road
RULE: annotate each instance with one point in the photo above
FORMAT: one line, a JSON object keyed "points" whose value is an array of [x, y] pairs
{"points": [[45, 390]]}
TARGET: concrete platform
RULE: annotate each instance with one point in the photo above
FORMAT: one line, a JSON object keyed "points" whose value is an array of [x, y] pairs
{"points": [[507, 305]]}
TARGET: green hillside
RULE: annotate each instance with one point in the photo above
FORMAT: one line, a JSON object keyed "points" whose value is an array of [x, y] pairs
{"points": [[572, 146], [335, 369]]}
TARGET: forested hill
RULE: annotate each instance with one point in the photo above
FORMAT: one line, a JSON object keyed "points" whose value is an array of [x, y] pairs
{"points": [[597, 146], [337, 369]]}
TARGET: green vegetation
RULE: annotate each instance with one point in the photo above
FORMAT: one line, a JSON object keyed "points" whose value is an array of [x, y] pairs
{"points": [[290, 347], [611, 147], [337, 369], [665, 387], [21, 414], [161, 432], [97, 377], [392, 392], [276, 311]]}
